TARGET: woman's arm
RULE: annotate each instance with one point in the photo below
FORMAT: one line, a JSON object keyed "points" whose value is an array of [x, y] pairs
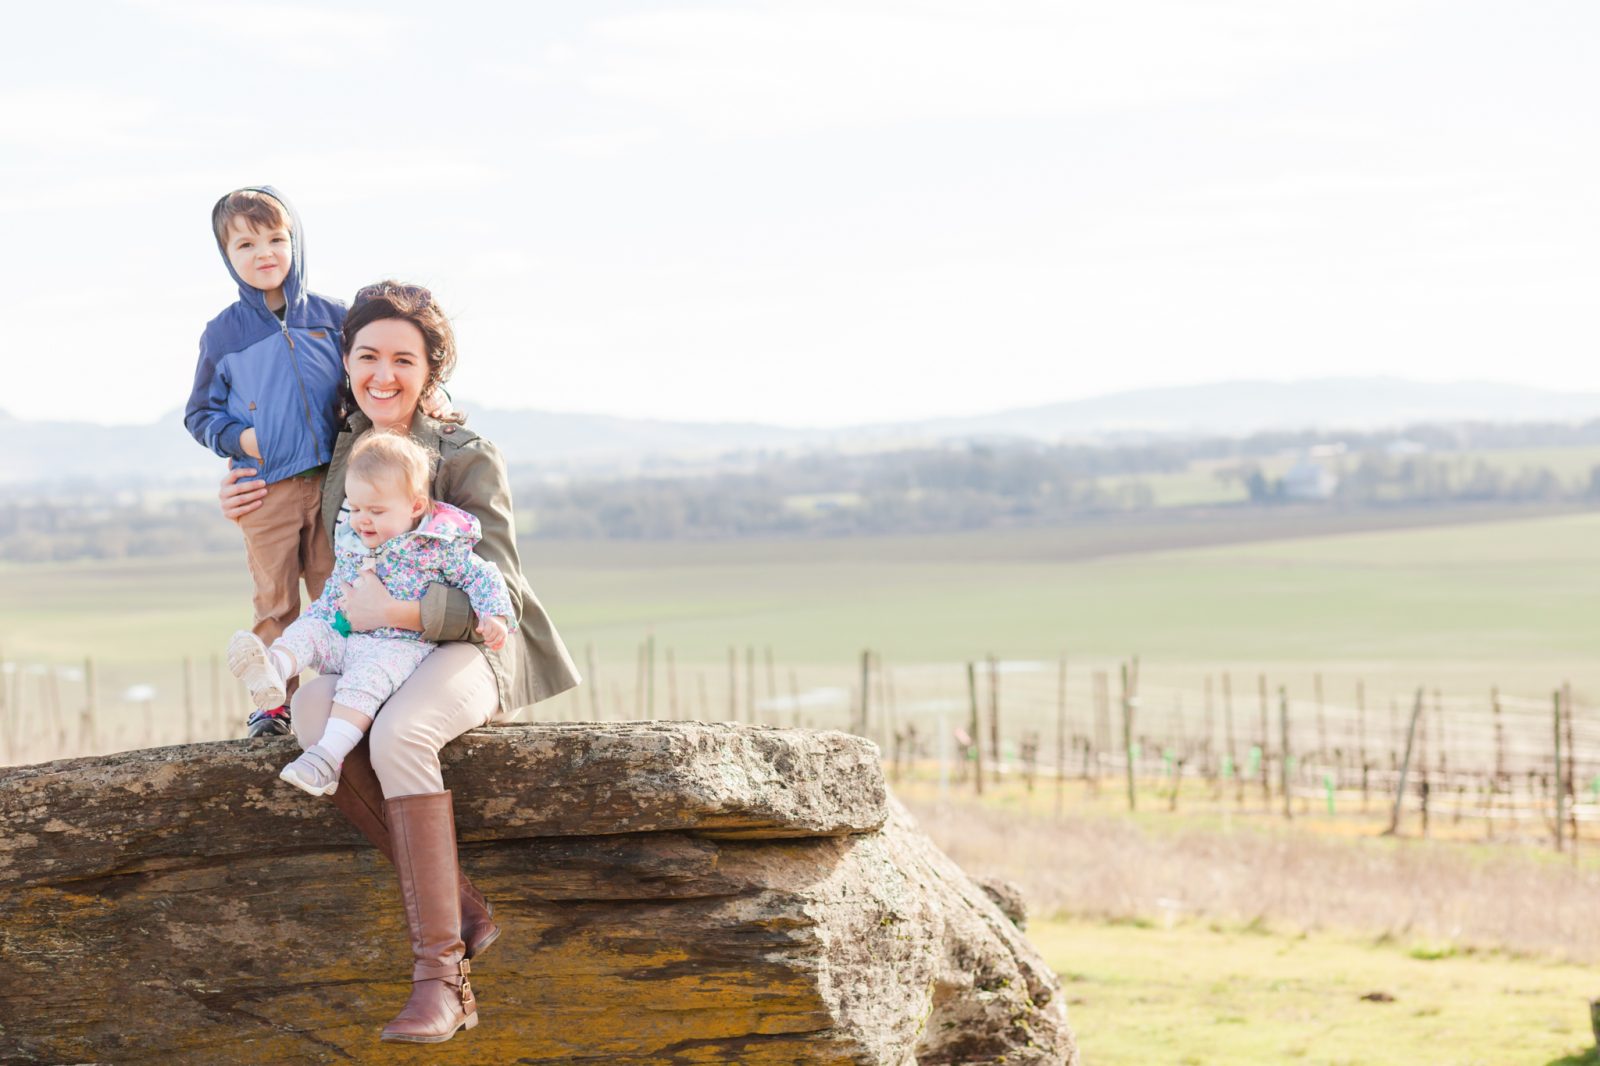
{"points": [[368, 605], [474, 479]]}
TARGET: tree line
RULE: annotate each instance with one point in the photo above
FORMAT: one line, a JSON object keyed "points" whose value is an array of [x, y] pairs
{"points": [[964, 486]]}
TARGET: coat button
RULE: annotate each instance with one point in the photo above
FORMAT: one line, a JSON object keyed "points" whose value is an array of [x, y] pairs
{"points": [[447, 430]]}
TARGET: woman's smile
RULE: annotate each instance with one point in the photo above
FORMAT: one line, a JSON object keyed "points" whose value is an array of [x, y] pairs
{"points": [[388, 368]]}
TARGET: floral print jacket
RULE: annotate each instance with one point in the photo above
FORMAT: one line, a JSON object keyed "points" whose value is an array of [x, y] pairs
{"points": [[438, 550]]}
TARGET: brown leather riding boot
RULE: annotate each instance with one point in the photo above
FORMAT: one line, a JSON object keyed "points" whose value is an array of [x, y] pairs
{"points": [[423, 831], [360, 800]]}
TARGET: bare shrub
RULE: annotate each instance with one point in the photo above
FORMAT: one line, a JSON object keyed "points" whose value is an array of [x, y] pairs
{"points": [[1509, 897]]}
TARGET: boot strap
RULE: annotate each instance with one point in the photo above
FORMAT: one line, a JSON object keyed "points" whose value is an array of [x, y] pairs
{"points": [[441, 971]]}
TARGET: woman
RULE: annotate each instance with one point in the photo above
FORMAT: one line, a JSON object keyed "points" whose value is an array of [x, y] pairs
{"points": [[397, 346]]}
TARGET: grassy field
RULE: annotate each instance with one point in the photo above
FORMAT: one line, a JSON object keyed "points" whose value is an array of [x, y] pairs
{"points": [[1204, 993], [1460, 599], [1193, 938], [1269, 586], [1275, 934]]}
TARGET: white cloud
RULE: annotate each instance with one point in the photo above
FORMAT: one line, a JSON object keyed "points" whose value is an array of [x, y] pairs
{"points": [[752, 70], [50, 116], [322, 35]]}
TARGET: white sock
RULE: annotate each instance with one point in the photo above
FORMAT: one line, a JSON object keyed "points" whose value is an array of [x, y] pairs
{"points": [[282, 662], [340, 739]]}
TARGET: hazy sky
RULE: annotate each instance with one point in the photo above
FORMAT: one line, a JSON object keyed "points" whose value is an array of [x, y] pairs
{"points": [[818, 212]]}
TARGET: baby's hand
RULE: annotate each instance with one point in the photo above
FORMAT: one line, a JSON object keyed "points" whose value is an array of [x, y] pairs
{"points": [[493, 630]]}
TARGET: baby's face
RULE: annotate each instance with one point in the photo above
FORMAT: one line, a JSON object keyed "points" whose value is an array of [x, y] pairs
{"points": [[383, 509]]}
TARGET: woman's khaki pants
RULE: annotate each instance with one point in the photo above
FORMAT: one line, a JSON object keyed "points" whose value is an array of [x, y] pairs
{"points": [[451, 692]]}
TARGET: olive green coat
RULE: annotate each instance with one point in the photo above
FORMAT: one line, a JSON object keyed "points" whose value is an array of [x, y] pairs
{"points": [[468, 472]]}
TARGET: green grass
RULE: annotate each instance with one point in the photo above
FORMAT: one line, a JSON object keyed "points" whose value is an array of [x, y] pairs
{"points": [[1465, 605], [1201, 994], [1508, 590]]}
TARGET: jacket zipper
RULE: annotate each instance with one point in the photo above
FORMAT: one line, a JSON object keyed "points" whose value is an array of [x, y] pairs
{"points": [[305, 403]]}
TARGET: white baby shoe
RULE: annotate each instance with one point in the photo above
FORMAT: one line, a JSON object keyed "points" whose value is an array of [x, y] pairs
{"points": [[251, 663], [314, 772]]}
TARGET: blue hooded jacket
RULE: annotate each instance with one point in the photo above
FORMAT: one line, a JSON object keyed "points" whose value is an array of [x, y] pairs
{"points": [[282, 378]]}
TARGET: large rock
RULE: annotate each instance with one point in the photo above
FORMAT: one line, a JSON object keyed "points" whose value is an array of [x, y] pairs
{"points": [[670, 893]]}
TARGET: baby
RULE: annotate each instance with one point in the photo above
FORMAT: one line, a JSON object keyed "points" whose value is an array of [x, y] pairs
{"points": [[410, 542]]}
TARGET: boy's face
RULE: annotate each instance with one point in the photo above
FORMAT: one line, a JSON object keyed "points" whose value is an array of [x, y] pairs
{"points": [[260, 257], [381, 510]]}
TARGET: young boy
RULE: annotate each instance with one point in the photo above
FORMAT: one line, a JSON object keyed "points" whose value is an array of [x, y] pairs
{"points": [[265, 397]]}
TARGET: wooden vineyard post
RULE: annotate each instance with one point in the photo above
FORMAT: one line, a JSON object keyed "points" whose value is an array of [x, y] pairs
{"points": [[672, 685], [638, 682], [1208, 763], [1443, 760], [1102, 722], [1176, 748], [866, 691], [1227, 726], [86, 731], [1283, 756], [1322, 721], [888, 724], [188, 699], [864, 708], [1127, 730], [1266, 779], [1560, 789], [733, 685], [1061, 732], [8, 716], [1179, 754], [975, 743], [994, 715], [1571, 774], [750, 689], [1499, 755], [650, 676], [593, 680], [1361, 739], [772, 678], [215, 703], [51, 682], [1405, 766]]}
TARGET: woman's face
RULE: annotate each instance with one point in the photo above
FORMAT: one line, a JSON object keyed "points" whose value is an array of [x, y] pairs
{"points": [[388, 368]]}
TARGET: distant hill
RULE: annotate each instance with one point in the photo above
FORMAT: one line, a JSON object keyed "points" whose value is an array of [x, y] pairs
{"points": [[161, 452], [1238, 408]]}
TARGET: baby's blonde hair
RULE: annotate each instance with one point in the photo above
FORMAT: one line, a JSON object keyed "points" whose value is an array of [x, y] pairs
{"points": [[381, 455]]}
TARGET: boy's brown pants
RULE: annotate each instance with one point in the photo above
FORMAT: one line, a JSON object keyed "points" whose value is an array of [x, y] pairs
{"points": [[284, 541]]}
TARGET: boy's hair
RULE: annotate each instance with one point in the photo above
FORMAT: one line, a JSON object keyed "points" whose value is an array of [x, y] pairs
{"points": [[380, 455], [259, 209]]}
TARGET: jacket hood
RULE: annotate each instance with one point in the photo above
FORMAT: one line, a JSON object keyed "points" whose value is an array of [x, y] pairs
{"points": [[294, 285], [445, 522]]}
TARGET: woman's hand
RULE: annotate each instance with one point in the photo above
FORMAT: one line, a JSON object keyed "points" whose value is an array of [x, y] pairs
{"points": [[238, 497], [367, 605], [436, 404]]}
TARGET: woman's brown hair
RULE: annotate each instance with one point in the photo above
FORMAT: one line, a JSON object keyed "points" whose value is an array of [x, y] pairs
{"points": [[416, 305]]}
